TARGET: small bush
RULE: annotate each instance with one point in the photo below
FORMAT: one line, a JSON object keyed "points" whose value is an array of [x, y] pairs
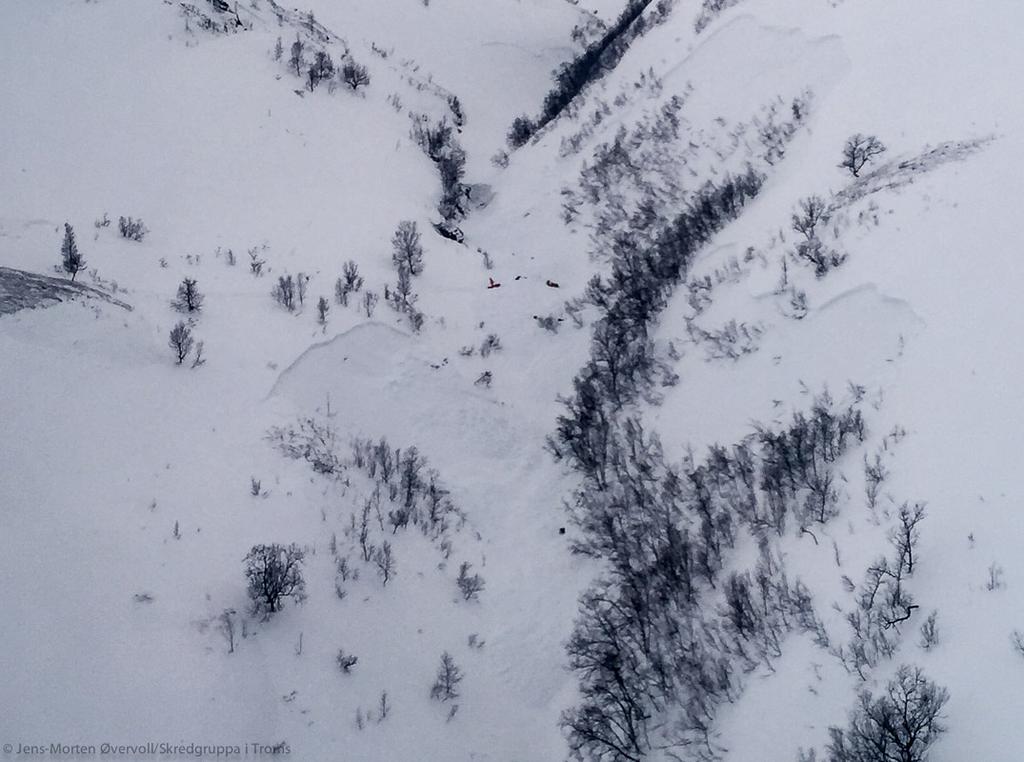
{"points": [[446, 684], [491, 344], [370, 300], [181, 341], [345, 661], [470, 585], [520, 132], [930, 632], [350, 282], [71, 258], [284, 292], [547, 322], [189, 299], [131, 228], [822, 258]]}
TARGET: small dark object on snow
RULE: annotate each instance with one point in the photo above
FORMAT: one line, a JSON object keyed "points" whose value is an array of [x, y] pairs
{"points": [[551, 284], [561, 530], [493, 284], [447, 230], [520, 277]]}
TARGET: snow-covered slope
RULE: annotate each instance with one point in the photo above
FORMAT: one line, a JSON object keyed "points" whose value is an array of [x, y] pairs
{"points": [[129, 495]]}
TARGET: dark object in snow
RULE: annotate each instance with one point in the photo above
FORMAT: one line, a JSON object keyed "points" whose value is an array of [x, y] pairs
{"points": [[492, 283], [550, 284], [274, 572], [447, 230], [561, 530], [520, 277]]}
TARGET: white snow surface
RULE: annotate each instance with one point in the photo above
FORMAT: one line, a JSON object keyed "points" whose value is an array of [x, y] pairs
{"points": [[106, 446]]}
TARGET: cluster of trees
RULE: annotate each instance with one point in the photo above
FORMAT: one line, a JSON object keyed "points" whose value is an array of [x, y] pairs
{"points": [[643, 641], [131, 228], [438, 141], [288, 289], [320, 67], [349, 283], [779, 123], [406, 491], [811, 216], [407, 257], [883, 602], [731, 341], [622, 364], [600, 56], [709, 10], [797, 475], [631, 179], [901, 724], [207, 23], [666, 627], [311, 441], [404, 478]]}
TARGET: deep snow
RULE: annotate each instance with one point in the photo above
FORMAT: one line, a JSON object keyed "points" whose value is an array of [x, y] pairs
{"points": [[106, 446]]}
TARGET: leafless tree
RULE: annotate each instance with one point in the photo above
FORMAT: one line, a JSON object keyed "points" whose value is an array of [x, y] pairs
{"points": [[369, 302], [227, 627], [930, 632], [255, 263], [181, 341], [354, 75], [446, 685], [296, 59], [71, 258], [859, 150], [385, 560], [905, 536], [350, 282], [406, 248], [189, 299], [274, 572], [813, 210], [899, 725], [284, 292], [321, 69], [470, 585]]}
